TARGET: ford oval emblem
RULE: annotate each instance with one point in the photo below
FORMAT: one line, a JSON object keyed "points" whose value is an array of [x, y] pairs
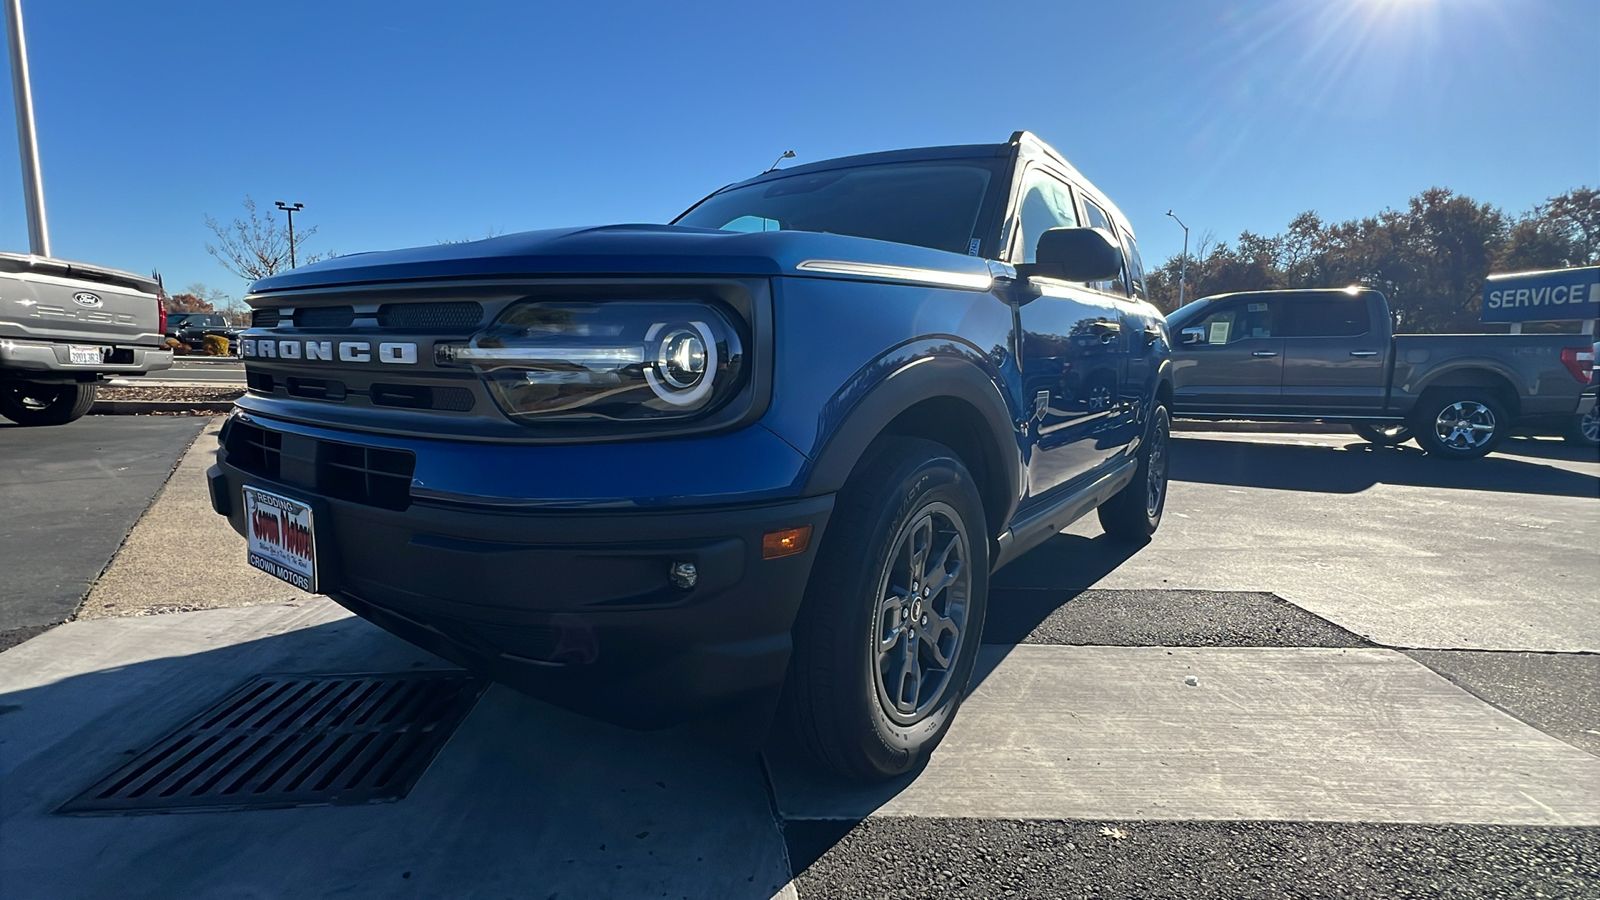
{"points": [[84, 298]]}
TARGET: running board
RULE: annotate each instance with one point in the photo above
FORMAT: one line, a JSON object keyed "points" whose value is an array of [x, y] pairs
{"points": [[1034, 527]]}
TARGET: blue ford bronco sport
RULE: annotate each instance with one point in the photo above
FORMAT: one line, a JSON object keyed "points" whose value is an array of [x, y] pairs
{"points": [[765, 457]]}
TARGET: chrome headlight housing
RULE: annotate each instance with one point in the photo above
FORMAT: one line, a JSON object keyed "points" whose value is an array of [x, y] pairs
{"points": [[618, 360]]}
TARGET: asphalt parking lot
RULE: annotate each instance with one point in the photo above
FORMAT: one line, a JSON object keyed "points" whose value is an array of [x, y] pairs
{"points": [[1395, 692]]}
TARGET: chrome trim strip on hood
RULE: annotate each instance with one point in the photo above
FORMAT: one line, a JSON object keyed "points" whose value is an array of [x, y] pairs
{"points": [[967, 281]]}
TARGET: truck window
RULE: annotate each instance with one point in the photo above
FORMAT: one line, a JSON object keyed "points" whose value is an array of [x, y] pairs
{"points": [[1240, 321], [933, 204], [1130, 253], [1046, 204], [1325, 317], [1097, 218]]}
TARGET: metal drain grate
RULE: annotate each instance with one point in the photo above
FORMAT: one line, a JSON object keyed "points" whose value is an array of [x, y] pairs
{"points": [[292, 741]]}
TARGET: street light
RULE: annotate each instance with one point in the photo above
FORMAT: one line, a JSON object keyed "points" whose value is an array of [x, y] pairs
{"points": [[291, 210], [1183, 266]]}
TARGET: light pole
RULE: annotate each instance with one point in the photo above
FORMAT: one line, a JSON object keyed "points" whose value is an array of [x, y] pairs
{"points": [[291, 210], [1183, 265], [27, 139]]}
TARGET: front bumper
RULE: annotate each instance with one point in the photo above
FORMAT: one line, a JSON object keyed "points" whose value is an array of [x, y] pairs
{"points": [[575, 607], [55, 357]]}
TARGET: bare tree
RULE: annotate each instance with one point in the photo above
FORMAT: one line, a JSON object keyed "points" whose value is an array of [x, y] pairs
{"points": [[253, 247]]}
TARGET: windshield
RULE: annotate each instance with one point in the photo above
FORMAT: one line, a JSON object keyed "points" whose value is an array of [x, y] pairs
{"points": [[935, 204], [192, 320]]}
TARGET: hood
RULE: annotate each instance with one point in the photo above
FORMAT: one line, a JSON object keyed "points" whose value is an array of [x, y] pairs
{"points": [[628, 250]]}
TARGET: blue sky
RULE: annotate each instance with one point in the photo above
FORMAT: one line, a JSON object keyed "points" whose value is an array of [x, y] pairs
{"points": [[402, 123]]}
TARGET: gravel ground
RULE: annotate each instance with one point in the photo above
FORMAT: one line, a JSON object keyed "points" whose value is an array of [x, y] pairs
{"points": [[1156, 618], [959, 858], [171, 394]]}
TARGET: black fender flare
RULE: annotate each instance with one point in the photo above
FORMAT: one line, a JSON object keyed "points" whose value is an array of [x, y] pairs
{"points": [[919, 380]]}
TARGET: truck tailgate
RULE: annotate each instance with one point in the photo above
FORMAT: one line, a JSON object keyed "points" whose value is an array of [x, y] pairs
{"points": [[54, 300]]}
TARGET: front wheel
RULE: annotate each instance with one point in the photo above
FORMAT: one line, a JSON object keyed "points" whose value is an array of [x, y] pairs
{"points": [[1386, 435], [30, 403], [893, 614], [1135, 512], [1460, 424]]}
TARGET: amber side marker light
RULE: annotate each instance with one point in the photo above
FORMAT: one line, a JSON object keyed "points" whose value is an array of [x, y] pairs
{"points": [[788, 542]]}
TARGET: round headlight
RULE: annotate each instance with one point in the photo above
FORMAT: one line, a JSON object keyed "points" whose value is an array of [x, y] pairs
{"points": [[686, 352]]}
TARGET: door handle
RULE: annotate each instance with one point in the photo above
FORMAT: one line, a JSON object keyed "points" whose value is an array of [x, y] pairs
{"points": [[1265, 353], [1363, 353]]}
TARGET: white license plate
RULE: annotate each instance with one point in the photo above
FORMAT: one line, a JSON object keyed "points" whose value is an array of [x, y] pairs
{"points": [[280, 538], [84, 356]]}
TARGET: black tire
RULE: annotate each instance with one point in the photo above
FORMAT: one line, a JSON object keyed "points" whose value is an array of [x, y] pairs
{"points": [[1385, 435], [1135, 512], [30, 403], [1584, 430], [1459, 423], [837, 700]]}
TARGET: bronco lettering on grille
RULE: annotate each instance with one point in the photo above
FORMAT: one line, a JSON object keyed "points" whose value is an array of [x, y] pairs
{"points": [[393, 352]]}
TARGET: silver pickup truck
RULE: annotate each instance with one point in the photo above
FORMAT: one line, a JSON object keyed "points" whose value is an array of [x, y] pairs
{"points": [[1332, 355], [64, 327]]}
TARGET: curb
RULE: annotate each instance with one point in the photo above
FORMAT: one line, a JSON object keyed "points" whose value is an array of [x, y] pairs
{"points": [[145, 407]]}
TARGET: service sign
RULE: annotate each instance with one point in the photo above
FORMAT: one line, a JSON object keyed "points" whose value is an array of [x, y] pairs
{"points": [[1551, 296]]}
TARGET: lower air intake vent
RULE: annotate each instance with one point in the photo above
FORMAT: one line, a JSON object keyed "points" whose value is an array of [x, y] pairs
{"points": [[431, 316], [324, 317], [260, 382], [283, 741], [254, 450], [369, 475]]}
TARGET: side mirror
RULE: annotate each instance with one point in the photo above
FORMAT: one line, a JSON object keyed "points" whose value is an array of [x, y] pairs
{"points": [[1075, 254], [1192, 336]]}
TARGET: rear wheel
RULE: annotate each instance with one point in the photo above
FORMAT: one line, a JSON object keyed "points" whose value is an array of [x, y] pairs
{"points": [[1584, 430], [1460, 424], [893, 614], [1385, 435], [30, 403], [1135, 512]]}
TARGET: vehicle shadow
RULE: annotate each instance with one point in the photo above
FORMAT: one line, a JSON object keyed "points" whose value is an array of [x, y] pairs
{"points": [[1359, 466], [524, 800], [1527, 445]]}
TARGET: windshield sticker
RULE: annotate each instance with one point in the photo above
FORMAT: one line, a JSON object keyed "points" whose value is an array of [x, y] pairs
{"points": [[1258, 307], [972, 248], [1219, 332]]}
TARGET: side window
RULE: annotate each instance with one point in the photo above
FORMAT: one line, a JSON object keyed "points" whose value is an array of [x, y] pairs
{"points": [[1238, 322], [1097, 218], [1130, 253], [1326, 317], [1046, 204]]}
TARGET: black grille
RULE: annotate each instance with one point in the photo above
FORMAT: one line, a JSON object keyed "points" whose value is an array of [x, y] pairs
{"points": [[254, 450], [284, 741], [431, 316], [317, 389], [260, 382], [416, 396], [265, 318], [368, 475], [324, 317]]}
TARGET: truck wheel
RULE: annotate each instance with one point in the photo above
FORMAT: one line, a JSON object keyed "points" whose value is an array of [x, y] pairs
{"points": [[1135, 512], [1584, 430], [1386, 435], [893, 614], [28, 403], [1459, 424]]}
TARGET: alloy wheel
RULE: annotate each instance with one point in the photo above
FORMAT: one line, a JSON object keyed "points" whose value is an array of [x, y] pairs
{"points": [[921, 617], [1465, 425]]}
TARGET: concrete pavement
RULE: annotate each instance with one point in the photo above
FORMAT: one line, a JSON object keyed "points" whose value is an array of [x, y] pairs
{"points": [[1306, 760]]}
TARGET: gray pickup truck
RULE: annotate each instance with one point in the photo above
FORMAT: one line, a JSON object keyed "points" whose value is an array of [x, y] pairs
{"points": [[64, 327], [1333, 355]]}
